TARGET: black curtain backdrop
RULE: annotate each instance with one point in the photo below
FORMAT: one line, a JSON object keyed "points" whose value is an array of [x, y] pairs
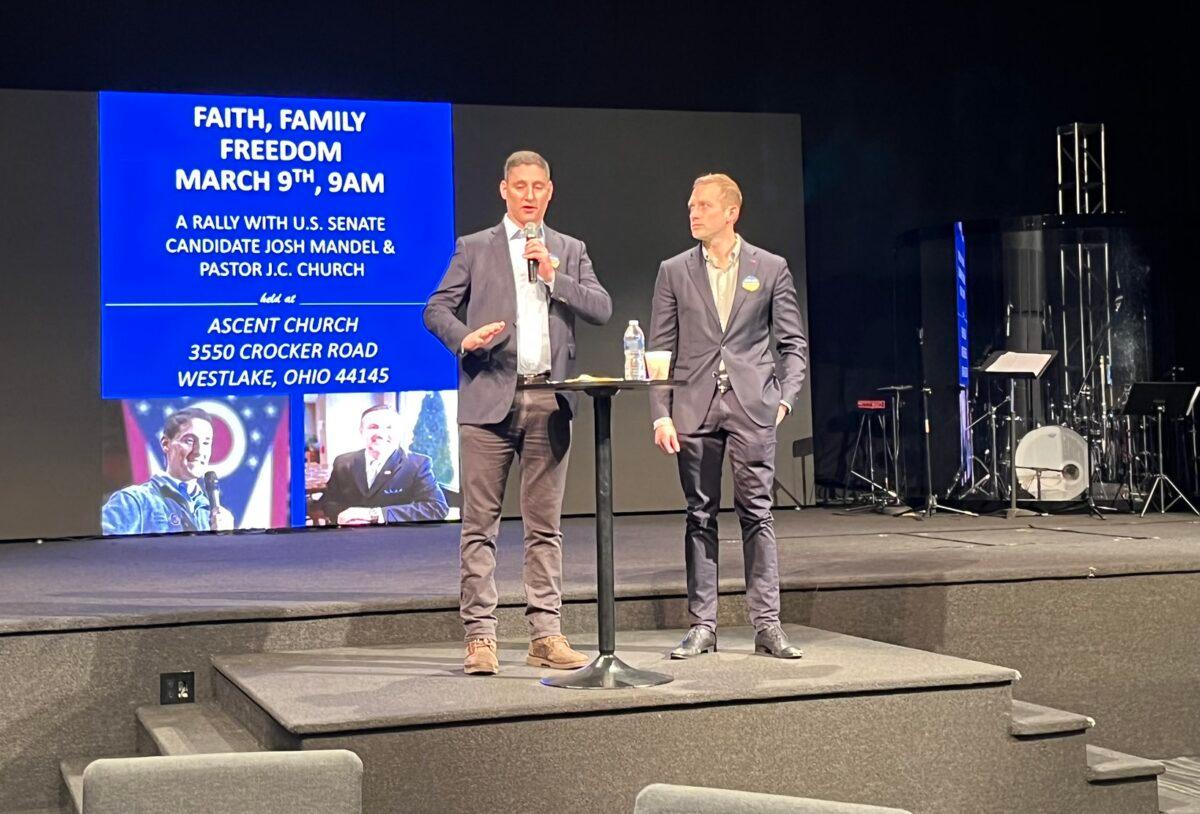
{"points": [[913, 116]]}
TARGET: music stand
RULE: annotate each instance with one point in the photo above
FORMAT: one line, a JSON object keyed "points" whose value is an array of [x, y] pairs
{"points": [[1162, 399], [1013, 365]]}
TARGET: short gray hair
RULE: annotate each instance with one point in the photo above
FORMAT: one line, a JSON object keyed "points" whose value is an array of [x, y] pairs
{"points": [[524, 157]]}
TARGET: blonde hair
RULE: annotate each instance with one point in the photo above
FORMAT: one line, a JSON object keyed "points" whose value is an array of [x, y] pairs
{"points": [[731, 193]]}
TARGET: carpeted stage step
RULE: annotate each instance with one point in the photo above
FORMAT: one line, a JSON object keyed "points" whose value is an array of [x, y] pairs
{"points": [[1032, 720], [191, 729], [180, 729], [1057, 742], [1109, 766], [855, 720]]}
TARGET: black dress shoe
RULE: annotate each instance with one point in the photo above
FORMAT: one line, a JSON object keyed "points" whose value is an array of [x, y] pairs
{"points": [[698, 640], [772, 641]]}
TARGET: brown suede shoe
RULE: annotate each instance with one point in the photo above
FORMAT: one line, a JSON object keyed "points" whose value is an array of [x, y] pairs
{"points": [[556, 652], [481, 658]]}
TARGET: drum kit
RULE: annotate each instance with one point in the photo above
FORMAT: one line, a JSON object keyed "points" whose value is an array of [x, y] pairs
{"points": [[1116, 460], [1090, 425], [1086, 425], [1051, 462], [1106, 454]]}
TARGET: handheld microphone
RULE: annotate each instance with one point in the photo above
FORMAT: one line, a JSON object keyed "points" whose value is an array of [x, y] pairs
{"points": [[213, 488], [531, 233], [1008, 320]]}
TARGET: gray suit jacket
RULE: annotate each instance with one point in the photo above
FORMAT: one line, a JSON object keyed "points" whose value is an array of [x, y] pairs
{"points": [[684, 321], [478, 288]]}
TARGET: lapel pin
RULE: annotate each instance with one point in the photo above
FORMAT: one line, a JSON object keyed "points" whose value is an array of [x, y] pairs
{"points": [[750, 283], [554, 261]]}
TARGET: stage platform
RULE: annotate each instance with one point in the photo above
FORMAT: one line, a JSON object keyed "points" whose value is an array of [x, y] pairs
{"points": [[134, 582], [1096, 616], [732, 720]]}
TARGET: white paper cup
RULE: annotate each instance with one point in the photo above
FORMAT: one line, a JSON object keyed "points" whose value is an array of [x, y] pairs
{"points": [[658, 364]]}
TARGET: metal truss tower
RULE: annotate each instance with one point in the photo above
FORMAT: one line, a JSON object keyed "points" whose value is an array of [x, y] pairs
{"points": [[1088, 299], [1082, 181]]}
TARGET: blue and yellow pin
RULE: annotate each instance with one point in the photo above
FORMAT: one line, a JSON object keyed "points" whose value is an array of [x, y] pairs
{"points": [[750, 283]]}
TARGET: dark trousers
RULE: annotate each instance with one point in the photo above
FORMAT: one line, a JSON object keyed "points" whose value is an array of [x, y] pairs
{"points": [[538, 432], [752, 459]]}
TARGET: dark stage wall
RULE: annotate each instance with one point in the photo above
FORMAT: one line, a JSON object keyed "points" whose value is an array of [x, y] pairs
{"points": [[914, 115], [50, 418], [622, 179]]}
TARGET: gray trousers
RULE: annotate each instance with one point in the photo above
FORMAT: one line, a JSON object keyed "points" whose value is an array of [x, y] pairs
{"points": [[752, 459], [538, 432]]}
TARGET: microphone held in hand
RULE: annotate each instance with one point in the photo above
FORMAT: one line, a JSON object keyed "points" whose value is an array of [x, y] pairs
{"points": [[213, 488], [531, 233]]}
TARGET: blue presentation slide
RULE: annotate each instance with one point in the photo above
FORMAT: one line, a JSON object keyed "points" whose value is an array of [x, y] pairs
{"points": [[254, 245]]}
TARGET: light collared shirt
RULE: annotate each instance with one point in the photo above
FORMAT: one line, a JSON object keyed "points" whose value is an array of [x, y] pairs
{"points": [[533, 306], [373, 467], [722, 282]]}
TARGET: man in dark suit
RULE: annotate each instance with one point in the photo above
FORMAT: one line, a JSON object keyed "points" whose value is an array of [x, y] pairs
{"points": [[518, 331], [381, 483], [715, 308]]}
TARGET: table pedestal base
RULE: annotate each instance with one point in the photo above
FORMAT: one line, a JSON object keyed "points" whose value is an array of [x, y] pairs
{"points": [[607, 673]]}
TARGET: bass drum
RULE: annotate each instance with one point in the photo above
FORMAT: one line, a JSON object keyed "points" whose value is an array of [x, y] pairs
{"points": [[1060, 455]]}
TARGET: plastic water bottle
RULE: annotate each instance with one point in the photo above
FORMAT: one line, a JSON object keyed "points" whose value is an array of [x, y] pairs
{"points": [[635, 352]]}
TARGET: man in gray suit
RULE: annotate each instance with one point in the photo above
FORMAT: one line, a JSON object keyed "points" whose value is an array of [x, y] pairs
{"points": [[715, 308], [517, 332]]}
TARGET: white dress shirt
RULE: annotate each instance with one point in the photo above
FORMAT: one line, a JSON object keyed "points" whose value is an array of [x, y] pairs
{"points": [[373, 468], [533, 307]]}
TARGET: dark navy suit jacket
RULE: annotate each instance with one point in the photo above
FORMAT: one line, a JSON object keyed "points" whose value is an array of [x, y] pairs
{"points": [[404, 488], [684, 321]]}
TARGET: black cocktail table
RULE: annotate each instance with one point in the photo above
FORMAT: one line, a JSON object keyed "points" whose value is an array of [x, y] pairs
{"points": [[607, 671]]}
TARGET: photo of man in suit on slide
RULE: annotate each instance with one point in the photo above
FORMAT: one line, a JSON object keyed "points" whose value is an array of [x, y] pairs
{"points": [[715, 308], [381, 483]]}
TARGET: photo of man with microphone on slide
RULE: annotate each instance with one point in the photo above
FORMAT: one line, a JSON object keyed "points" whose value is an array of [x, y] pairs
{"points": [[195, 465], [176, 499]]}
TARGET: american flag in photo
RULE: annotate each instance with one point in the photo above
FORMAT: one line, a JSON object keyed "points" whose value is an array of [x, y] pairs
{"points": [[250, 451]]}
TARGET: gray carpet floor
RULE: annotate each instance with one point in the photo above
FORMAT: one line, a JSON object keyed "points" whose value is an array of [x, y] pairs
{"points": [[83, 584]]}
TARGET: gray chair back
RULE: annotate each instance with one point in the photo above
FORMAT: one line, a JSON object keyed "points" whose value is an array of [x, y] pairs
{"points": [[661, 798], [324, 782]]}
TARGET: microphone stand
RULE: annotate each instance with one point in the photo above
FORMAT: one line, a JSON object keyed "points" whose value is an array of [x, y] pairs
{"points": [[1089, 495], [931, 501]]}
